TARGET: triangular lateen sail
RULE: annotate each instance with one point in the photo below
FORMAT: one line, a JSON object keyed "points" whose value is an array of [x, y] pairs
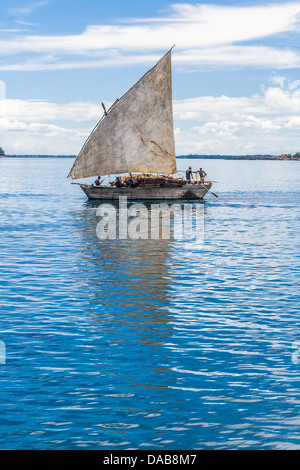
{"points": [[137, 134]]}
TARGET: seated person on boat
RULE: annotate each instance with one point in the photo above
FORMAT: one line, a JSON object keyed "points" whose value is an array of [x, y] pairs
{"points": [[119, 182], [96, 183]]}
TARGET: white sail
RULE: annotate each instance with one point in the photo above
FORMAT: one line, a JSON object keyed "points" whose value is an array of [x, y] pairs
{"points": [[137, 133]]}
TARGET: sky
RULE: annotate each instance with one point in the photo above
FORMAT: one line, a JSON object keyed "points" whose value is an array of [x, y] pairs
{"points": [[235, 71]]}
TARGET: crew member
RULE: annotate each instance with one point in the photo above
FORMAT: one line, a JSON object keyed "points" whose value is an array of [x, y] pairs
{"points": [[119, 183], [202, 175], [97, 181], [188, 173]]}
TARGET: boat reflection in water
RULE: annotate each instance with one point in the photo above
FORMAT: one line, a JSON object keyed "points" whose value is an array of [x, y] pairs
{"points": [[131, 337], [128, 281]]}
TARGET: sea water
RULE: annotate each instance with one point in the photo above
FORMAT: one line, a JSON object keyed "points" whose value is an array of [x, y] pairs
{"points": [[143, 344]]}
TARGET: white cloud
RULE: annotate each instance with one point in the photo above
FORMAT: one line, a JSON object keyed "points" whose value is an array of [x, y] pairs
{"points": [[210, 108], [28, 8], [261, 123], [38, 110], [274, 102], [278, 80], [20, 137], [34, 127], [188, 60], [282, 101], [2, 90], [294, 123], [295, 84], [25, 23], [238, 138], [264, 123], [15, 30], [247, 56], [268, 122], [30, 126], [203, 34]]}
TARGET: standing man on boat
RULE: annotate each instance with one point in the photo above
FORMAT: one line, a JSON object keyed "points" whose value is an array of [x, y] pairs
{"points": [[188, 173], [202, 175]]}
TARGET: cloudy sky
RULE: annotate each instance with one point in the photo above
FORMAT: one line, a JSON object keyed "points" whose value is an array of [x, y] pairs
{"points": [[236, 71]]}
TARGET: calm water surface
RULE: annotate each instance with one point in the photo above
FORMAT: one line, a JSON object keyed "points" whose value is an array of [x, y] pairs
{"points": [[139, 344]]}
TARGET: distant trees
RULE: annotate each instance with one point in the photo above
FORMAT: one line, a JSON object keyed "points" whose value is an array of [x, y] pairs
{"points": [[2, 152], [289, 156]]}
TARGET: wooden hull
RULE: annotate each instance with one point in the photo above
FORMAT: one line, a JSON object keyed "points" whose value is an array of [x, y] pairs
{"points": [[109, 193]]}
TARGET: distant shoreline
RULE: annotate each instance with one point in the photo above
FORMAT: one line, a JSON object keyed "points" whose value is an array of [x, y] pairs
{"points": [[242, 157], [38, 156], [186, 157]]}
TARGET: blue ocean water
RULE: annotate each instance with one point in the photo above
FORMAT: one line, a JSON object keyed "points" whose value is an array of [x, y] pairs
{"points": [[143, 344]]}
